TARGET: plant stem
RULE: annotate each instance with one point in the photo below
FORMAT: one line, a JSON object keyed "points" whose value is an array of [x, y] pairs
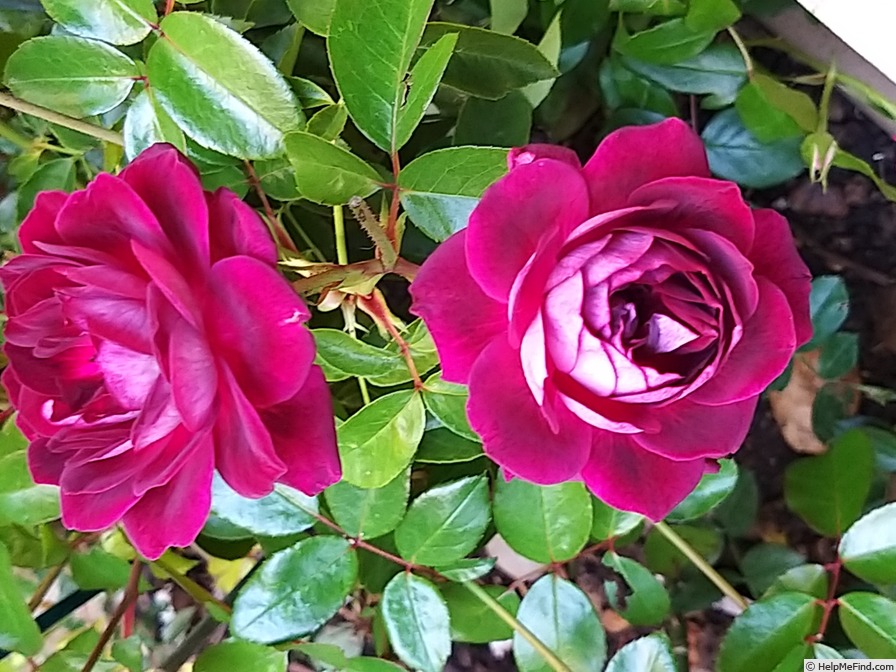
{"points": [[92, 130], [7, 132], [549, 656], [700, 562], [130, 594], [274, 224], [742, 48], [825, 104], [375, 305], [339, 235], [193, 589], [41, 592]]}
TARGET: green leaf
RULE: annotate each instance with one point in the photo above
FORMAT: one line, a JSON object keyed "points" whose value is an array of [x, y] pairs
{"points": [[367, 664], [711, 14], [329, 122], [472, 620], [609, 522], [767, 631], [417, 621], [235, 655], [667, 43], [369, 513], [115, 21], [448, 403], [146, 123], [342, 356], [847, 161], [371, 46], [661, 556], [378, 442], [129, 653], [711, 491], [285, 511], [761, 117], [868, 548], [545, 523], [505, 122], [310, 94], [622, 88], [18, 631], [55, 174], [884, 443], [810, 579], [828, 306], [326, 173], [313, 14], [442, 446], [839, 355], [764, 563], [259, 13], [71, 75], [563, 618], [297, 590], [507, 15], [735, 154], [828, 491], [22, 502], [870, 622], [323, 654], [647, 603], [650, 7], [219, 88], [95, 569], [440, 189], [647, 654], [445, 523], [488, 64], [551, 47], [466, 569], [719, 71]]}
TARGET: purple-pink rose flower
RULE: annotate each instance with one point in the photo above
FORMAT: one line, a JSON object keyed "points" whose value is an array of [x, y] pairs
{"points": [[151, 341], [615, 322]]}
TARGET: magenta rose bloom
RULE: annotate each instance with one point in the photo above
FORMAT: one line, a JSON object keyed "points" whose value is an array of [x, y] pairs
{"points": [[151, 341], [615, 323]]}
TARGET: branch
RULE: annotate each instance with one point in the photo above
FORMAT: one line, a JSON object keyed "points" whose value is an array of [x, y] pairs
{"points": [[92, 130]]}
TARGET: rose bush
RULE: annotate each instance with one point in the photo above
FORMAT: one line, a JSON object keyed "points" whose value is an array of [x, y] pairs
{"points": [[151, 341], [615, 322]]}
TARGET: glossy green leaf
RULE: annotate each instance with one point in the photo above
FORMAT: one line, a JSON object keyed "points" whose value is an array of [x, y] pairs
{"points": [[341, 356], [417, 621], [647, 602], [115, 21], [810, 579], [96, 569], [326, 173], [56, 174], [839, 355], [442, 446], [22, 502], [666, 43], [369, 513], [735, 154], [772, 110], [551, 47], [313, 14], [72, 75], [283, 47], [488, 64], [622, 88], [377, 443], [507, 15], [370, 55], [236, 655], [259, 13], [448, 403], [608, 522], [445, 522], [823, 652], [466, 569], [563, 618], [868, 548], [870, 622], [646, 654], [129, 653], [828, 491], [828, 306], [280, 601], [661, 556], [285, 511], [711, 14], [146, 123], [368, 664], [310, 94], [505, 122], [718, 71], [767, 631], [441, 188], [278, 179], [219, 88], [763, 563], [545, 523], [711, 491], [423, 81], [472, 620], [328, 122], [18, 631]]}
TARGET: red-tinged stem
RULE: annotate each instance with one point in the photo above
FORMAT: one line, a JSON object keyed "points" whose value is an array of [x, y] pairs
{"points": [[375, 304], [275, 224], [41, 592], [130, 596], [169, 7], [830, 602]]}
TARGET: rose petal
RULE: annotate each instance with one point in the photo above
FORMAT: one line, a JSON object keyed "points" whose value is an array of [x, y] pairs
{"points": [[767, 344], [304, 436], [689, 430], [775, 257], [520, 156], [194, 377], [532, 200], [237, 229], [40, 223], [92, 512], [514, 430], [460, 317], [129, 375], [170, 281], [637, 155], [629, 478]]}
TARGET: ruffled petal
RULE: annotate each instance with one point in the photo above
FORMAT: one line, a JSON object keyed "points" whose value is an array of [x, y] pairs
{"points": [[40, 224], [304, 436], [775, 257], [461, 318], [629, 478], [637, 155], [237, 229], [767, 344], [92, 512], [514, 430], [534, 199]]}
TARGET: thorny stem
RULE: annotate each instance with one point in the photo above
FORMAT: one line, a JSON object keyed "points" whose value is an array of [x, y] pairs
{"points": [[742, 48], [376, 305], [368, 221], [130, 595], [371, 267], [92, 130], [700, 562], [192, 588], [41, 591], [549, 656], [275, 224]]}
